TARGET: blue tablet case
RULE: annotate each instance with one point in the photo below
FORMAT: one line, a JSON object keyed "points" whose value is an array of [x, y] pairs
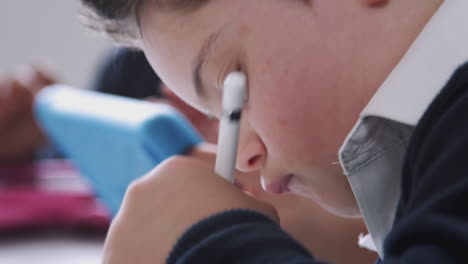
{"points": [[112, 139]]}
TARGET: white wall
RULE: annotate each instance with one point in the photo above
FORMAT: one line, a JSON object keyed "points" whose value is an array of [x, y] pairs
{"points": [[32, 30]]}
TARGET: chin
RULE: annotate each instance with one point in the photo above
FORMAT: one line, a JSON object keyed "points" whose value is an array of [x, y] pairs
{"points": [[345, 207], [337, 201]]}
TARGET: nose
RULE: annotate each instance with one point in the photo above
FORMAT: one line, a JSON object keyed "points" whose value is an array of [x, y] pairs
{"points": [[252, 153]]}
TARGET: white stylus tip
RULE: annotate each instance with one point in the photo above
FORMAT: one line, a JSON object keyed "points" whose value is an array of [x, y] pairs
{"points": [[234, 91]]}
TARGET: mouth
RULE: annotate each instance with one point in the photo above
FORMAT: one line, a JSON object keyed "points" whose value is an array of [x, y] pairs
{"points": [[280, 186]]}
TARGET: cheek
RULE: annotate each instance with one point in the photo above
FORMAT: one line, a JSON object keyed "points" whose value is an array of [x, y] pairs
{"points": [[297, 103], [294, 122]]}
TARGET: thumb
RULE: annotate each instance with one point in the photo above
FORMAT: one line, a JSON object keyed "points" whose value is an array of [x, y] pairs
{"points": [[204, 152]]}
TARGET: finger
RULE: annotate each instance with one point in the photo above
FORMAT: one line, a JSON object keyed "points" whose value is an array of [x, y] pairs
{"points": [[13, 98], [249, 183], [5, 107], [205, 152], [19, 139], [46, 73], [3, 87], [34, 78], [20, 96]]}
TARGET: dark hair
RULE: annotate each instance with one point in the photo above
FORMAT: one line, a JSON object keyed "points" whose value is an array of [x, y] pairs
{"points": [[119, 19]]}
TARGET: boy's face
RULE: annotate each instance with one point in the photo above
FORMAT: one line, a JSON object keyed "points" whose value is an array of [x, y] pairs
{"points": [[307, 67]]}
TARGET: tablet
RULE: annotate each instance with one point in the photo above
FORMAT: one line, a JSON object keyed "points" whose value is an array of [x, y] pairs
{"points": [[112, 139]]}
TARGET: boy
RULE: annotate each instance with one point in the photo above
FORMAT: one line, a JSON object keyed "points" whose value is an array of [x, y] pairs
{"points": [[312, 68]]}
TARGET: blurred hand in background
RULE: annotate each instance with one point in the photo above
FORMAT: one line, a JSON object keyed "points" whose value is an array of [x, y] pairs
{"points": [[20, 135]]}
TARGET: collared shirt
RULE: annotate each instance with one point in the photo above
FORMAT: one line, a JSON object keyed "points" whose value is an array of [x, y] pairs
{"points": [[372, 154]]}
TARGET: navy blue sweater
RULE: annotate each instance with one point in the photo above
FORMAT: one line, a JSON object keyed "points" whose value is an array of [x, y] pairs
{"points": [[431, 225]]}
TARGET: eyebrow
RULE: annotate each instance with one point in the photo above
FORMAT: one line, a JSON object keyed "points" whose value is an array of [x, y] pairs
{"points": [[200, 60]]}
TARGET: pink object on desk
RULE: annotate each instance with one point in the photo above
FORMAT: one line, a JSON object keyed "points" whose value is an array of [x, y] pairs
{"points": [[48, 194]]}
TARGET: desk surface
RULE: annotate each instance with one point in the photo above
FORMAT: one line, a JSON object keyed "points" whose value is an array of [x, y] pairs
{"points": [[45, 247], [51, 248]]}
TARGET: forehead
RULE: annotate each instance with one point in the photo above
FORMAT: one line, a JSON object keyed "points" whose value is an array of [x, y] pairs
{"points": [[172, 41]]}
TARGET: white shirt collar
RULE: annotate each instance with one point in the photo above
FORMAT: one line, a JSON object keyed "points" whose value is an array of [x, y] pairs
{"points": [[405, 95], [440, 48]]}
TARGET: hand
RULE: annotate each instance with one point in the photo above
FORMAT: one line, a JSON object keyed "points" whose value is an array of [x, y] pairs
{"points": [[160, 206], [19, 133]]}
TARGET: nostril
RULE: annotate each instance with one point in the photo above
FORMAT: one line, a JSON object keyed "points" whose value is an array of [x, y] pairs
{"points": [[252, 153], [252, 161]]}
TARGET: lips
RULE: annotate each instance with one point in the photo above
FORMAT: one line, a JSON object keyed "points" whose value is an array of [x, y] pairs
{"points": [[280, 186]]}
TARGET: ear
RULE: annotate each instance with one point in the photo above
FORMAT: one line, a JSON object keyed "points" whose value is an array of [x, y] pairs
{"points": [[375, 3]]}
